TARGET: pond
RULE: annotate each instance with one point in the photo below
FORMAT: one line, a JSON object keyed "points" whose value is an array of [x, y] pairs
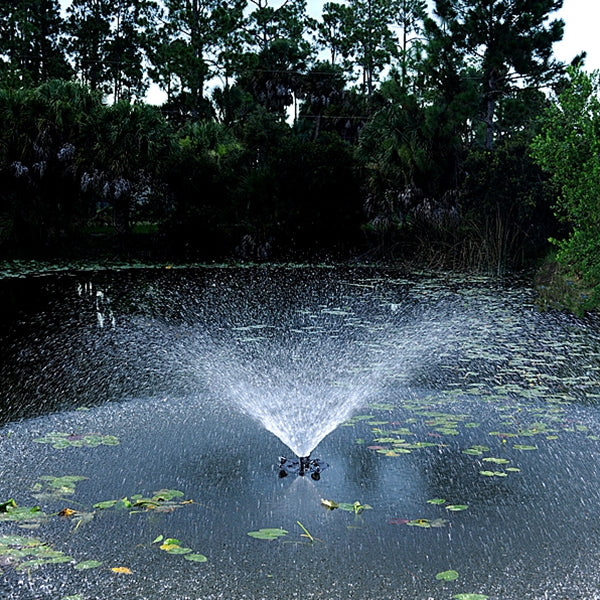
{"points": [[144, 413]]}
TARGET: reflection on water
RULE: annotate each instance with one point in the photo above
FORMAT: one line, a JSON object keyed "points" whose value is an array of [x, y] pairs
{"points": [[474, 399]]}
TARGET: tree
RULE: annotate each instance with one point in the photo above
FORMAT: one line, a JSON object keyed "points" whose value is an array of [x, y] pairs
{"points": [[277, 52], [409, 16], [334, 31], [194, 45], [31, 43], [323, 89], [44, 138], [373, 43], [508, 44], [131, 144], [108, 42], [568, 148]]}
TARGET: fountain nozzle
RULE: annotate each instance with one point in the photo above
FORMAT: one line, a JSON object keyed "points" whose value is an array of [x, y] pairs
{"points": [[301, 466], [304, 464]]}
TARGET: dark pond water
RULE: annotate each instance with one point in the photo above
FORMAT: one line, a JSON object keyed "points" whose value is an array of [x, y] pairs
{"points": [[461, 421]]}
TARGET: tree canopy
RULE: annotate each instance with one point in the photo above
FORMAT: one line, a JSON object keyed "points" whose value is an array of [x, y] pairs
{"points": [[378, 128]]}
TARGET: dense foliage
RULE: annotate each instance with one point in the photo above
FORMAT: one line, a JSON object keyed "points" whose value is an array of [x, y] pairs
{"points": [[377, 129], [568, 147]]}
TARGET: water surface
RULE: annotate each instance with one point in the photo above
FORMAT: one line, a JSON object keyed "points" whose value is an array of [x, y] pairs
{"points": [[442, 388]]}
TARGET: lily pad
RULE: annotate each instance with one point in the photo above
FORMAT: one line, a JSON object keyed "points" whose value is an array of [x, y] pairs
{"points": [[436, 501], [268, 533], [60, 440], [24, 516], [450, 575], [161, 501], [355, 507], [457, 507], [196, 557], [470, 597], [424, 523]]}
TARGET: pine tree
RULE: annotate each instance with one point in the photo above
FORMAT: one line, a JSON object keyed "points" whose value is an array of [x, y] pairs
{"points": [[507, 44], [31, 42]]}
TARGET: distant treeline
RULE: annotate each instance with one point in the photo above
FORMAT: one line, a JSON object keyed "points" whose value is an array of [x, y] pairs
{"points": [[377, 130]]}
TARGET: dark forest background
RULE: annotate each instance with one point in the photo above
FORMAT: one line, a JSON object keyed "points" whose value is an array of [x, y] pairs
{"points": [[381, 130]]}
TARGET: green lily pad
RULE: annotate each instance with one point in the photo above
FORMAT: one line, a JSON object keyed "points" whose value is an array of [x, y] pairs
{"points": [[61, 440], [450, 575], [497, 461], [470, 597], [493, 474], [26, 516], [164, 500], [268, 533], [424, 523], [457, 507], [436, 501], [472, 452], [175, 549], [524, 447], [355, 507], [105, 504], [196, 557]]}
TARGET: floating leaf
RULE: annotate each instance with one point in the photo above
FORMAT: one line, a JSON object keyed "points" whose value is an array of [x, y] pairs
{"points": [[5, 506], [105, 504], [268, 533], [355, 507], [25, 516], [196, 558], [175, 549], [330, 504], [161, 501], [498, 461], [493, 474], [436, 501], [381, 406], [160, 538], [524, 447], [123, 570], [62, 440], [457, 507], [166, 495], [447, 576], [425, 523], [470, 597]]}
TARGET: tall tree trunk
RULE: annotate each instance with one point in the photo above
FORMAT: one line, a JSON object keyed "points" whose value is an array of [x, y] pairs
{"points": [[491, 108]]}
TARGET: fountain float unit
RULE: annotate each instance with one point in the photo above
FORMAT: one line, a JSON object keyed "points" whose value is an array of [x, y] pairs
{"points": [[303, 465]]}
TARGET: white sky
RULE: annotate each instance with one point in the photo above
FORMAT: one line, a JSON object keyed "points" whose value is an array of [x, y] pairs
{"points": [[581, 32]]}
